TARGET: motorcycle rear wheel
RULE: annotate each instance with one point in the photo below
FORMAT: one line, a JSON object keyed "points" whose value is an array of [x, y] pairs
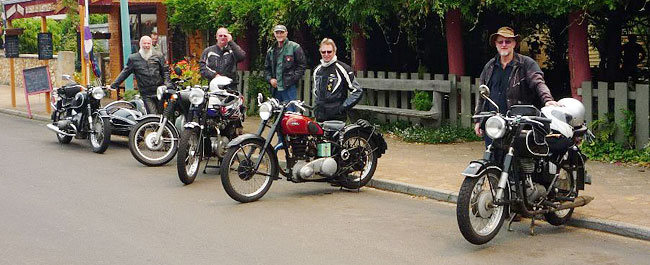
{"points": [[477, 220], [188, 157], [64, 139], [564, 182], [240, 181], [161, 153], [100, 136], [362, 159]]}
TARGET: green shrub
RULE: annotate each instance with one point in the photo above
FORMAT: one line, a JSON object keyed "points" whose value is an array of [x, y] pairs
{"points": [[256, 84], [422, 100], [443, 134], [130, 94]]}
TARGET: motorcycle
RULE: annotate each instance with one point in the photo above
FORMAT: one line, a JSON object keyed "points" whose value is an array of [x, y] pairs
{"points": [[218, 115], [77, 113], [153, 141], [332, 151], [533, 167]]}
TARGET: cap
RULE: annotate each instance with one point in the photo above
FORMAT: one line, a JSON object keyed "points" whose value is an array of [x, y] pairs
{"points": [[279, 28]]}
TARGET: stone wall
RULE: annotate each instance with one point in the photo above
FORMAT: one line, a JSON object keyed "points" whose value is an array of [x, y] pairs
{"points": [[24, 62], [63, 63]]}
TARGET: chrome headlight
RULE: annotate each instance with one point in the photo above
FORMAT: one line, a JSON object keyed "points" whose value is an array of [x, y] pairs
{"points": [[197, 96], [97, 93], [495, 127], [265, 110], [160, 91]]}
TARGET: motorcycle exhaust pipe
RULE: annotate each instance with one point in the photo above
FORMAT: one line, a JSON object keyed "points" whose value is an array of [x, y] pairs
{"points": [[578, 202], [57, 130]]}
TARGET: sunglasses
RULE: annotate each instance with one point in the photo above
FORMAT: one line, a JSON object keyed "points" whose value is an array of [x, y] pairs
{"points": [[504, 42], [326, 52]]}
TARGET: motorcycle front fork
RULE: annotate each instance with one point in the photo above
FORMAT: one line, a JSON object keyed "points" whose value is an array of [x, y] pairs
{"points": [[503, 179]]}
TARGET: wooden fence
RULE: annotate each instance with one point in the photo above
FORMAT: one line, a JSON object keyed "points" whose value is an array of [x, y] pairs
{"points": [[602, 98], [455, 100]]}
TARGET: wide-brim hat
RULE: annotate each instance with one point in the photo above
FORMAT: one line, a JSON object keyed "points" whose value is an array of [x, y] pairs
{"points": [[506, 32]]}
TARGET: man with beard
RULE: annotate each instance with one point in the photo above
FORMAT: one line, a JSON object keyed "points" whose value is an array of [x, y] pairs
{"points": [[222, 58], [513, 79], [150, 70], [284, 66]]}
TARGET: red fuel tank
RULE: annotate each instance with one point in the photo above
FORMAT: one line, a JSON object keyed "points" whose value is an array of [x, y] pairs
{"points": [[296, 124]]}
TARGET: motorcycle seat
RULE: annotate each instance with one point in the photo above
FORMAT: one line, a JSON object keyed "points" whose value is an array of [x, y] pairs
{"points": [[333, 125]]}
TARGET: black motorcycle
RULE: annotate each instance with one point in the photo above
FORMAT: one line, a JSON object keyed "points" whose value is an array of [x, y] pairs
{"points": [[218, 115], [533, 167], [77, 113], [153, 141]]}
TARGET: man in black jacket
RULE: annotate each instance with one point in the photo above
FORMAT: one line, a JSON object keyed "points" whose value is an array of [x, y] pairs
{"points": [[333, 80], [513, 78], [222, 58], [150, 70]]}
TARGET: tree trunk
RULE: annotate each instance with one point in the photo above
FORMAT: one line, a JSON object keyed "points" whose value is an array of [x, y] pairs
{"points": [[455, 56], [358, 49], [242, 41], [613, 44], [578, 52]]}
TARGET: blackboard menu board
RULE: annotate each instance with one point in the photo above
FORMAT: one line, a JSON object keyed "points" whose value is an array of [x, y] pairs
{"points": [[37, 80], [11, 46], [45, 47]]}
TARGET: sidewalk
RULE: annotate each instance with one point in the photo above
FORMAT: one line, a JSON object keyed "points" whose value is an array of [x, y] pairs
{"points": [[622, 193]]}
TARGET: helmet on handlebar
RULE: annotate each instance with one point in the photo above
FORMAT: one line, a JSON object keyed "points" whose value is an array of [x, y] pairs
{"points": [[219, 83], [576, 109]]}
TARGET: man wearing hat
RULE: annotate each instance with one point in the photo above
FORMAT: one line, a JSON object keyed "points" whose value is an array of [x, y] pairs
{"points": [[284, 66], [513, 78]]}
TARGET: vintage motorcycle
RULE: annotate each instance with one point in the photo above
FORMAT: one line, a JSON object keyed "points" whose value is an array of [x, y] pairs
{"points": [[77, 113], [332, 151], [533, 167], [153, 141], [218, 114]]}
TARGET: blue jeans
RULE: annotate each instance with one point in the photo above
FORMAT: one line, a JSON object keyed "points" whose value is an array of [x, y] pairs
{"points": [[286, 95]]}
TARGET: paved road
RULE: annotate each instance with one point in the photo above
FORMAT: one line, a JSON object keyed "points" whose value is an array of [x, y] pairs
{"points": [[63, 204]]}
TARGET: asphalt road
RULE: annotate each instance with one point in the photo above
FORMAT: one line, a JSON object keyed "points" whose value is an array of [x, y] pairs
{"points": [[63, 204]]}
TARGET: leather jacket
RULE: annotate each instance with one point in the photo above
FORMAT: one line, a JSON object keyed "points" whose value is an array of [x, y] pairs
{"points": [[149, 74], [526, 83]]}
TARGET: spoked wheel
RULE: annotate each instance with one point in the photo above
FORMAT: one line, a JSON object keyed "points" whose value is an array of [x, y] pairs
{"points": [[564, 184], [189, 155], [64, 139], [360, 157], [148, 147], [100, 135], [239, 177], [478, 218]]}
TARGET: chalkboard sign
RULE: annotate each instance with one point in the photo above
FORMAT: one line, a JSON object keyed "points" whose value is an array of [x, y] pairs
{"points": [[37, 80], [45, 50], [11, 46]]}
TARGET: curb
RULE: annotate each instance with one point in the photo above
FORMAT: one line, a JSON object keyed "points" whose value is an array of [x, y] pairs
{"points": [[23, 114], [613, 227]]}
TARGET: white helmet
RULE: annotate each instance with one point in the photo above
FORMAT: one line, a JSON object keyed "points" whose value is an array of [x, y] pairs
{"points": [[219, 82], [576, 109]]}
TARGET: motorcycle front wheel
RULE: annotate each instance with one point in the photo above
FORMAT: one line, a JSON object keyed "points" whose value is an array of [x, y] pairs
{"points": [[189, 155], [362, 160], [100, 135], [148, 148], [478, 219], [239, 177]]}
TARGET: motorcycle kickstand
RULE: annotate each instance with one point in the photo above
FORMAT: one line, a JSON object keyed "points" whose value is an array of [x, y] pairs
{"points": [[206, 165], [532, 225], [512, 220]]}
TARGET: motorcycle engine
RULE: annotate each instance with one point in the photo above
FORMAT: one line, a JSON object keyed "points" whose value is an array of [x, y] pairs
{"points": [[218, 145]]}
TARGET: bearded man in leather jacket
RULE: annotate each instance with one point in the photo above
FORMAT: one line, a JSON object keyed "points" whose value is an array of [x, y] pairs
{"points": [[333, 81], [222, 58], [150, 71], [513, 78]]}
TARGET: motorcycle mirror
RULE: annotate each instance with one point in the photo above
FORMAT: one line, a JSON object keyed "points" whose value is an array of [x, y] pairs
{"points": [[178, 71], [484, 90], [260, 98]]}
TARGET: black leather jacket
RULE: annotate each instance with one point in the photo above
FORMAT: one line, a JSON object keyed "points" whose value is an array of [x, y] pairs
{"points": [[526, 83], [215, 60], [150, 73], [331, 87]]}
